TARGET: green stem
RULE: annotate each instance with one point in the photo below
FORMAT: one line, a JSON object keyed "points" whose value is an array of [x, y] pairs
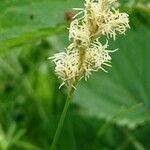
{"points": [[62, 118]]}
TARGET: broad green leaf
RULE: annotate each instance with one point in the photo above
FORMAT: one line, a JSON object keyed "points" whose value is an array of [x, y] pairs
{"points": [[123, 94], [25, 20]]}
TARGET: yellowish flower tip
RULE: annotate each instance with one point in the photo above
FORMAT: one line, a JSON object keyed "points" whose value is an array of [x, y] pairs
{"points": [[85, 53]]}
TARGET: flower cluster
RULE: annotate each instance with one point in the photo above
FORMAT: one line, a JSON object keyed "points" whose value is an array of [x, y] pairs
{"points": [[85, 53], [95, 57], [79, 34], [66, 66], [103, 19]]}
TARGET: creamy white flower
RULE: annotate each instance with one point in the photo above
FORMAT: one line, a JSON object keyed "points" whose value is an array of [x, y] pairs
{"points": [[66, 66], [96, 56], [79, 33], [85, 53], [102, 18], [115, 22]]}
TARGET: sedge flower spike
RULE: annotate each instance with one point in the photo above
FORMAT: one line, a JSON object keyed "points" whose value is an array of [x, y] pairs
{"points": [[85, 54]]}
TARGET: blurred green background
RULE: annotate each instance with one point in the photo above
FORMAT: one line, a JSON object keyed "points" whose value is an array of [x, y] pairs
{"points": [[111, 111]]}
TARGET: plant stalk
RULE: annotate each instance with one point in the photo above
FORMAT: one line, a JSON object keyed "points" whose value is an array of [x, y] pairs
{"points": [[62, 118]]}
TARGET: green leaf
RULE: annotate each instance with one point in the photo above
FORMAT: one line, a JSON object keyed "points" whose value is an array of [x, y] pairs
{"points": [[123, 94], [25, 21]]}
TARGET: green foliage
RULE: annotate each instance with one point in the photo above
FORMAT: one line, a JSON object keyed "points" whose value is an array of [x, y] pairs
{"points": [[109, 112], [122, 95]]}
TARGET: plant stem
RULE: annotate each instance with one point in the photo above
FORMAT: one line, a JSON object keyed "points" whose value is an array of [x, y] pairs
{"points": [[62, 118]]}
